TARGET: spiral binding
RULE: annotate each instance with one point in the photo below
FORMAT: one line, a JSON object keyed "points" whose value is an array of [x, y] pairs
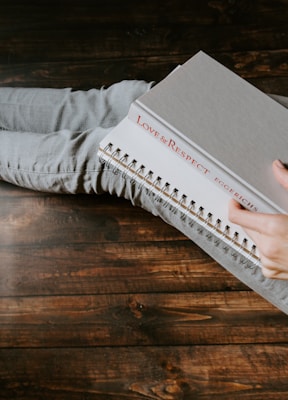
{"points": [[113, 158]]}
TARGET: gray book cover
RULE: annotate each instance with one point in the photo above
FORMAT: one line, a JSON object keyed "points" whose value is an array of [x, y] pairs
{"points": [[231, 123]]}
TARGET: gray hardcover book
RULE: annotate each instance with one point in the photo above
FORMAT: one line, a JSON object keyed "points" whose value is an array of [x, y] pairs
{"points": [[221, 125]]}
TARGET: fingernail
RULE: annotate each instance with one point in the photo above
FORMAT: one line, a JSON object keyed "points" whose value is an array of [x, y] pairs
{"points": [[279, 164]]}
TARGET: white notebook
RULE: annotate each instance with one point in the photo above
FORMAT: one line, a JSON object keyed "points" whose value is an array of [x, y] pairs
{"points": [[152, 166], [196, 206]]}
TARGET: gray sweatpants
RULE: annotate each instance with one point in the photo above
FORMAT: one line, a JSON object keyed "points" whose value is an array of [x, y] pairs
{"points": [[49, 137], [49, 140]]}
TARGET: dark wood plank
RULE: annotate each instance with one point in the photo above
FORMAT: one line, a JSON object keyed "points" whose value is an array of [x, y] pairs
{"points": [[196, 12], [140, 319], [158, 373], [92, 41], [75, 46], [266, 70], [124, 268]]}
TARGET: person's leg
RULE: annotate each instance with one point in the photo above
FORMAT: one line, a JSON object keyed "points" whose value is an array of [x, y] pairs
{"points": [[50, 110], [58, 162], [281, 99], [49, 138]]}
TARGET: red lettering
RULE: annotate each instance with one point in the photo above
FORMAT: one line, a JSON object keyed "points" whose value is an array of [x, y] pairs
{"points": [[173, 146], [147, 127], [187, 157], [246, 203]]}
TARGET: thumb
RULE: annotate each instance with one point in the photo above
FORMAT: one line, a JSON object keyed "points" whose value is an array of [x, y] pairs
{"points": [[281, 173]]}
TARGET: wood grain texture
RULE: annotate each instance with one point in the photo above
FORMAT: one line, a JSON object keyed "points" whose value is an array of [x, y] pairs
{"points": [[154, 373], [140, 319], [99, 299]]}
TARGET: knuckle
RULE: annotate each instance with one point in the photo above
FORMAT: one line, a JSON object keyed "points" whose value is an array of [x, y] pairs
{"points": [[270, 250], [269, 247], [269, 273], [277, 225]]}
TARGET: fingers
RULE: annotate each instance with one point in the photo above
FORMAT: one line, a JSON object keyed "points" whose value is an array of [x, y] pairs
{"points": [[272, 269], [247, 219], [268, 231], [272, 273], [273, 225], [254, 236], [281, 173]]}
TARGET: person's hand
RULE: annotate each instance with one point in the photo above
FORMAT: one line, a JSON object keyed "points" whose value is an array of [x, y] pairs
{"points": [[269, 232]]}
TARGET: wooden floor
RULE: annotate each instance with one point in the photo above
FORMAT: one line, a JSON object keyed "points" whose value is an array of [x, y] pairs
{"points": [[99, 299]]}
